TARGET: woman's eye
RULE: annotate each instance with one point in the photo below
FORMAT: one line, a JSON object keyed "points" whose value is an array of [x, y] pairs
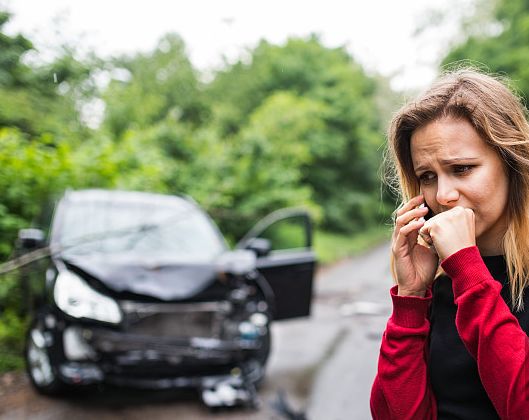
{"points": [[461, 169], [427, 177]]}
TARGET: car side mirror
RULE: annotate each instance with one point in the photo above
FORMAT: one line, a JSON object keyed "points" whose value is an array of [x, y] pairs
{"points": [[260, 246], [238, 262], [30, 239]]}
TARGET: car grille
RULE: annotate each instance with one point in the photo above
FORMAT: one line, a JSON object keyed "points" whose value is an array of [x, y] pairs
{"points": [[169, 320]]}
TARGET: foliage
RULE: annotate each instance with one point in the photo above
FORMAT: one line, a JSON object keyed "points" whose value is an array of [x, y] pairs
{"points": [[153, 87], [502, 44], [12, 329], [45, 99], [344, 144], [278, 131], [30, 172], [269, 157], [12, 324]]}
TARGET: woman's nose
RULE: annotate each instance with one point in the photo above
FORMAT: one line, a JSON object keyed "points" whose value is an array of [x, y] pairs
{"points": [[447, 193]]}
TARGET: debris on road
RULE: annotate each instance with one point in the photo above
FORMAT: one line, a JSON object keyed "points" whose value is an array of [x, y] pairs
{"points": [[283, 408]]}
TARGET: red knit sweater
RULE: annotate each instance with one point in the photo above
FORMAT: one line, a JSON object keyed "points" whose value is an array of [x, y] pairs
{"points": [[489, 330]]}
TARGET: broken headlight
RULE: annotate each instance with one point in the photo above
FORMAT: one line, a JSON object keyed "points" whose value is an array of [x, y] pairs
{"points": [[76, 298]]}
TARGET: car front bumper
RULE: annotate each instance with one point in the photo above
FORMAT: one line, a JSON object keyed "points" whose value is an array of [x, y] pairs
{"points": [[98, 355]]}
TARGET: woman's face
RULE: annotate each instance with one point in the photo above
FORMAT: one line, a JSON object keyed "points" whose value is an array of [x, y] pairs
{"points": [[455, 167]]}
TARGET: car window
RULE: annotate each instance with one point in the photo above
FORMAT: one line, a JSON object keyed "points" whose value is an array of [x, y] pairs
{"points": [[287, 233], [164, 232]]}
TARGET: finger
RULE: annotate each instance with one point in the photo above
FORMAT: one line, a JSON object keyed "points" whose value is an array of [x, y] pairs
{"points": [[407, 233], [426, 238], [424, 231], [414, 202], [412, 237], [416, 214], [407, 217], [413, 226], [406, 237]]}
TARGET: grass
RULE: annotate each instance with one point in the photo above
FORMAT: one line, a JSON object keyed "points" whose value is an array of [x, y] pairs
{"points": [[332, 247]]}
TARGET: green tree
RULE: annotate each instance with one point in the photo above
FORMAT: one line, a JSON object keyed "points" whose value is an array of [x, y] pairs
{"points": [[40, 99], [153, 86], [269, 158], [500, 43], [345, 155]]}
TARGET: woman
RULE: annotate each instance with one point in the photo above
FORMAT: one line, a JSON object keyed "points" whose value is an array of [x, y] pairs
{"points": [[456, 344]]}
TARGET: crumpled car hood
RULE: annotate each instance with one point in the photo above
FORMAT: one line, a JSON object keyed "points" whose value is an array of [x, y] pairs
{"points": [[164, 281]]}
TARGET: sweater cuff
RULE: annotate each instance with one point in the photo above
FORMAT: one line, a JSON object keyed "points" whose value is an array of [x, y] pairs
{"points": [[410, 311], [466, 268]]}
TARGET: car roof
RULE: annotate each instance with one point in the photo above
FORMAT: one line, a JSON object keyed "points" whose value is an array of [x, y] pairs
{"points": [[127, 197]]}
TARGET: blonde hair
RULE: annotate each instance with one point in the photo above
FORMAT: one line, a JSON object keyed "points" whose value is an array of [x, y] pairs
{"points": [[499, 117]]}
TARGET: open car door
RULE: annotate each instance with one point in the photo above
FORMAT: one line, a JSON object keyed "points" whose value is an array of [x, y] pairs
{"points": [[283, 244]]}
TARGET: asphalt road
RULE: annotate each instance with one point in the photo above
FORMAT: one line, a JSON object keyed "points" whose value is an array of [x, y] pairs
{"points": [[324, 364]]}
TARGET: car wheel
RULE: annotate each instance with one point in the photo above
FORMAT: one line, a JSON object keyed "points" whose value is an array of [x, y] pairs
{"points": [[258, 367], [264, 351], [41, 371]]}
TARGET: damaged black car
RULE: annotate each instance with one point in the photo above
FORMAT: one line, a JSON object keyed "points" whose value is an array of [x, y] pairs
{"points": [[142, 290]]}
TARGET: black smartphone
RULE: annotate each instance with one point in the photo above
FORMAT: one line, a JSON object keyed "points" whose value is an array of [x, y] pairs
{"points": [[429, 215]]}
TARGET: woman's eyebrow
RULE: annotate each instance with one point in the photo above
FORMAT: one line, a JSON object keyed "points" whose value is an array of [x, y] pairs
{"points": [[450, 161], [458, 159]]}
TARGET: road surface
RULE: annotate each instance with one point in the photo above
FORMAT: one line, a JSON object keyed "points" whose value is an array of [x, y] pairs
{"points": [[324, 364]]}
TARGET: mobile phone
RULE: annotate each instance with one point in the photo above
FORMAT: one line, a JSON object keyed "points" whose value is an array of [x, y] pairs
{"points": [[429, 215]]}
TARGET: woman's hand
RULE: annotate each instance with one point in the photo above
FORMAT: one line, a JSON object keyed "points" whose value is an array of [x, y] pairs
{"points": [[450, 231], [415, 264]]}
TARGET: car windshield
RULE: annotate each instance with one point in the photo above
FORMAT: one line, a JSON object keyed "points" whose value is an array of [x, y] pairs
{"points": [[138, 230]]}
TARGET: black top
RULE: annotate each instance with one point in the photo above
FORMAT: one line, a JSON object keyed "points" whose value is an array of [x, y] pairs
{"points": [[453, 371]]}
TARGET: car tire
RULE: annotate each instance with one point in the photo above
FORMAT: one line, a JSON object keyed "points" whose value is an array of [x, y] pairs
{"points": [[39, 367], [264, 352], [262, 359], [265, 294]]}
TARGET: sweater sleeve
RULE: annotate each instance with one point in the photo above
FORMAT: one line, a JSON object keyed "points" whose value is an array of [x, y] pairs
{"points": [[401, 389], [490, 333]]}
